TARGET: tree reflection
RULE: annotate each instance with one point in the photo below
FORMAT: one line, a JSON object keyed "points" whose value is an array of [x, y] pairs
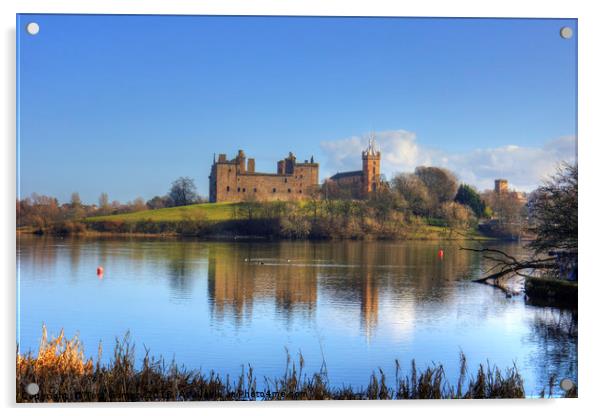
{"points": [[182, 265], [38, 252], [554, 331]]}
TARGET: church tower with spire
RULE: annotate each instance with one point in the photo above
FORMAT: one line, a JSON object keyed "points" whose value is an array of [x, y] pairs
{"points": [[371, 167]]}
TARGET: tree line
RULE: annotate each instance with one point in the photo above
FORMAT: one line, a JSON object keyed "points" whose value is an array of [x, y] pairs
{"points": [[427, 196], [42, 211], [436, 196]]}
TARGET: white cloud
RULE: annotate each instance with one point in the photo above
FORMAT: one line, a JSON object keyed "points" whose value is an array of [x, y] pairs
{"points": [[524, 167]]}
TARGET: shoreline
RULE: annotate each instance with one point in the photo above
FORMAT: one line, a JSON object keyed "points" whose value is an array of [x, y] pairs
{"points": [[233, 238]]}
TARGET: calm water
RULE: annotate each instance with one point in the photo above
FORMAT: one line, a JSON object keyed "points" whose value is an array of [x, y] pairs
{"points": [[358, 305]]}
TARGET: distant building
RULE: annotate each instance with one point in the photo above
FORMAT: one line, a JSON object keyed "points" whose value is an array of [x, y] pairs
{"points": [[366, 180], [501, 186], [236, 180]]}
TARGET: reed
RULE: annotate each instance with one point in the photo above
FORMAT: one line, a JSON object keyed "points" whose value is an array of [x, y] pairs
{"points": [[63, 374]]}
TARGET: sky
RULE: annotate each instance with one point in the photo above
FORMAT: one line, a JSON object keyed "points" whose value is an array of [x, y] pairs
{"points": [[127, 104]]}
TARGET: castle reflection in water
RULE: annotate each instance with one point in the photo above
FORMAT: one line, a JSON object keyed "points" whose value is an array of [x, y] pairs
{"points": [[293, 275]]}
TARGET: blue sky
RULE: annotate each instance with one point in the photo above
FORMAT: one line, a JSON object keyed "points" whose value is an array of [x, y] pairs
{"points": [[126, 104]]}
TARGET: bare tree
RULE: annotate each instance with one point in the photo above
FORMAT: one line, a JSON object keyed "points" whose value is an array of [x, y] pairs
{"points": [[553, 210], [411, 188], [103, 203], [39, 211], [138, 205], [76, 210], [383, 203], [183, 192], [441, 183], [509, 211], [75, 199], [456, 215]]}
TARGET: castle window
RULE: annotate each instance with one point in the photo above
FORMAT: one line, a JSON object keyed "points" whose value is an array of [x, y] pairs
{"points": [[289, 190], [238, 190], [274, 190], [301, 176], [374, 169], [300, 191], [254, 189], [285, 180], [227, 189], [244, 189]]}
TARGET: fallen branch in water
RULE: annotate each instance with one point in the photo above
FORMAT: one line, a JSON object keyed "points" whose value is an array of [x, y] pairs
{"points": [[505, 264]]}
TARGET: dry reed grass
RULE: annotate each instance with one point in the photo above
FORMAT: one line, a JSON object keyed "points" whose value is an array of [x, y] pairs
{"points": [[63, 374]]}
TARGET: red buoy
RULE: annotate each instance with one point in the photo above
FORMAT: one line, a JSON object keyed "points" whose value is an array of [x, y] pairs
{"points": [[440, 254], [100, 271]]}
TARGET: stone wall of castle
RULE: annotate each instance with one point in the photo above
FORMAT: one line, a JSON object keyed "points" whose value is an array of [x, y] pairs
{"points": [[236, 180]]}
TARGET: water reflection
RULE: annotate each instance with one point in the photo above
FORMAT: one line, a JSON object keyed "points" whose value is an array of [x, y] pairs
{"points": [[224, 304], [182, 262], [238, 275], [554, 331]]}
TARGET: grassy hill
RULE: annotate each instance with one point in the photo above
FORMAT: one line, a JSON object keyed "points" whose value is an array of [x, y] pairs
{"points": [[214, 212], [221, 219]]}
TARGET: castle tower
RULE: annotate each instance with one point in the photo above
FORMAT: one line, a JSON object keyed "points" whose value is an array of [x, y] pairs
{"points": [[289, 164], [370, 167], [500, 186], [240, 160]]}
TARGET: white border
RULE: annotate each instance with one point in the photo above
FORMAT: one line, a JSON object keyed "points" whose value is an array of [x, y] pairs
{"points": [[590, 137]]}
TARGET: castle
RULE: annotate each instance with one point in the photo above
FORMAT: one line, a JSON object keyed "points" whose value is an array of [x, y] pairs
{"points": [[235, 180]]}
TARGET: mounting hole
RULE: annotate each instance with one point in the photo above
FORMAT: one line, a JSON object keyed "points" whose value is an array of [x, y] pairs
{"points": [[33, 28], [566, 32], [32, 389], [566, 384]]}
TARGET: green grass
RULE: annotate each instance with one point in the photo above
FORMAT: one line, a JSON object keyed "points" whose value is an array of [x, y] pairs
{"points": [[211, 211], [222, 212]]}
